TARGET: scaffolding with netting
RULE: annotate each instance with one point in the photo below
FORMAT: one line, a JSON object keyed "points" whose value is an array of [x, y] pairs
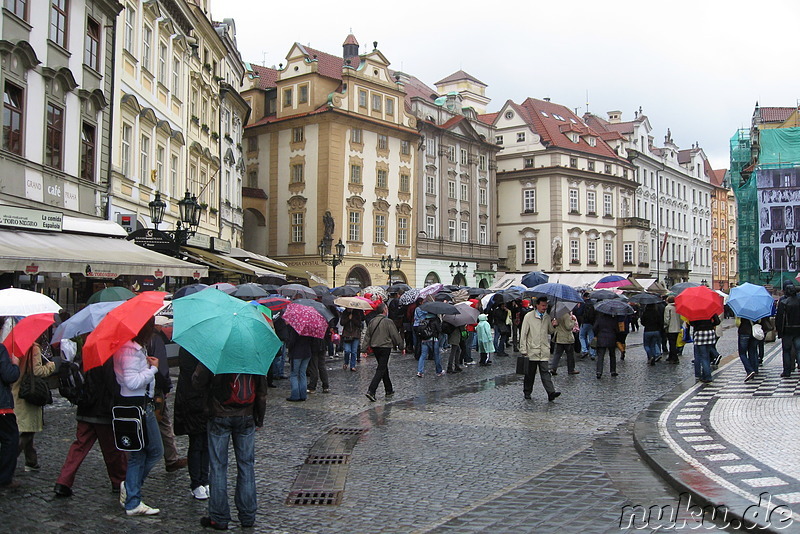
{"points": [[747, 208]]}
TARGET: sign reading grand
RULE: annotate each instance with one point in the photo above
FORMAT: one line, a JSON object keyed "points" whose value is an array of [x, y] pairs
{"points": [[31, 219]]}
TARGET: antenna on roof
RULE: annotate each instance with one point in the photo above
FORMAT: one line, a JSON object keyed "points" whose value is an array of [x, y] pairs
{"points": [[587, 101], [263, 58]]}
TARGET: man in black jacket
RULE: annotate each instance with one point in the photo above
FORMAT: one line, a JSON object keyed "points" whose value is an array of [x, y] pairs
{"points": [[231, 416], [787, 323], [9, 432]]}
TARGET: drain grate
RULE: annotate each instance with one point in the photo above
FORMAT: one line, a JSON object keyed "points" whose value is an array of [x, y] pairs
{"points": [[328, 459], [347, 431], [305, 497]]}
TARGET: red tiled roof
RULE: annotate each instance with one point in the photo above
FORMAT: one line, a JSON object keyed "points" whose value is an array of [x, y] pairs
{"points": [[266, 77], [600, 125], [351, 40], [452, 122], [717, 176], [253, 192], [330, 66], [274, 118], [549, 127], [684, 156], [460, 75], [775, 114], [488, 118], [414, 87]]}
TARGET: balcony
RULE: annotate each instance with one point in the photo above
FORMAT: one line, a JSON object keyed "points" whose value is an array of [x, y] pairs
{"points": [[680, 265], [635, 222], [453, 249]]}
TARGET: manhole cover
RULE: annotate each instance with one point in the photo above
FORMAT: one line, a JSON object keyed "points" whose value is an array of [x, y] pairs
{"points": [[347, 431], [321, 459], [304, 497]]}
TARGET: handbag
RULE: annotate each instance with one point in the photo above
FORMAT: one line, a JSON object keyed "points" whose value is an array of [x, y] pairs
{"points": [[33, 389], [128, 425], [758, 332], [521, 361]]}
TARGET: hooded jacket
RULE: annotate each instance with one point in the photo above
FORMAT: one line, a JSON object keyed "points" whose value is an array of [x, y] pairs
{"points": [[484, 333]]}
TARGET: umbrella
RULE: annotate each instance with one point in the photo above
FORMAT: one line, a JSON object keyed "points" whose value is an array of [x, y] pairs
{"points": [[466, 315], [645, 298], [26, 331], [613, 307], [119, 326], [613, 280], [461, 295], [698, 303], [21, 302], [224, 286], [534, 278], [563, 307], [509, 294], [409, 296], [354, 303], [603, 294], [398, 287], [84, 321], [189, 290], [270, 288], [477, 291], [344, 291], [486, 300], [723, 295], [678, 288], [225, 333], [749, 301], [320, 307], [376, 291], [111, 294], [444, 296], [295, 290], [248, 291], [439, 308], [305, 320], [321, 290], [430, 290], [558, 291], [275, 303]]}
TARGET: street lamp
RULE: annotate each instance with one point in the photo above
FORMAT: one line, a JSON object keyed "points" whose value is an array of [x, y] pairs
{"points": [[186, 226], [766, 276], [390, 265], [336, 258], [704, 282], [459, 269]]}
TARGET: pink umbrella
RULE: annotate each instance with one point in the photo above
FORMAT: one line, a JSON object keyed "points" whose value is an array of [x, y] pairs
{"points": [[430, 290], [613, 280], [305, 320]]}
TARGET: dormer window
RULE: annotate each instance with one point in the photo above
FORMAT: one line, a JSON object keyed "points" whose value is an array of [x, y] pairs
{"points": [[574, 137], [591, 140]]}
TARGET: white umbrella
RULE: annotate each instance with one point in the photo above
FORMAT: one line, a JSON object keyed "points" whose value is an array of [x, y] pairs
{"points": [[21, 302], [723, 295]]}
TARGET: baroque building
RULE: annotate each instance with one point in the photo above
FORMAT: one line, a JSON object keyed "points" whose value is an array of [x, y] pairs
{"points": [[723, 232], [331, 134]]}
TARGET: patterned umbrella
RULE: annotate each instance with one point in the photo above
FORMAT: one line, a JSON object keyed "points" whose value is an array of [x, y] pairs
{"points": [[409, 296], [354, 303], [305, 320], [275, 303], [376, 291], [558, 291]]}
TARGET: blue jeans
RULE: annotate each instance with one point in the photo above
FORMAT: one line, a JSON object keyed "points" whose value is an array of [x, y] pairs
{"points": [[297, 378], [431, 345], [586, 336], [351, 347], [500, 342], [748, 353], [702, 361], [787, 342], [243, 431], [279, 362], [652, 344], [141, 462]]}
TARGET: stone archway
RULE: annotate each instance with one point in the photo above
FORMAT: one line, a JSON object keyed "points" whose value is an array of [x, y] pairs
{"points": [[459, 280], [255, 231], [483, 284], [431, 278], [358, 276]]}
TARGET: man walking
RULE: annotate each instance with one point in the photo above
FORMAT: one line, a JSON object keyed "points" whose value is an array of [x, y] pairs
{"points": [[787, 322], [535, 344], [586, 333], [381, 336], [237, 403]]}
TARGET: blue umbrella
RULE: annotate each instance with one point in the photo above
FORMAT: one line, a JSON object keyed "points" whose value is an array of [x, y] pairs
{"points": [[189, 290], [84, 321], [534, 278], [558, 291], [750, 301]]}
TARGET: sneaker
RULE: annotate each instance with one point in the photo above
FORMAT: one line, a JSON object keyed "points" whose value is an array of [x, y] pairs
{"points": [[471, 362], [207, 522], [200, 493], [62, 491], [123, 494], [326, 390], [441, 374], [419, 375], [34, 467], [353, 369], [389, 393], [311, 391], [749, 377], [370, 396], [143, 509]]}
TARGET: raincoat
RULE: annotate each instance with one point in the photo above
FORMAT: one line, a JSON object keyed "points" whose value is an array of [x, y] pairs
{"points": [[484, 333]]}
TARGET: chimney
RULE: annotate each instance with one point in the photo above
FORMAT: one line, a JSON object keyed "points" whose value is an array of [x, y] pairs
{"points": [[614, 116]]}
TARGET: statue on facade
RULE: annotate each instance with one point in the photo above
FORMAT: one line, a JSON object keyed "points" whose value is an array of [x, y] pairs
{"points": [[327, 220], [557, 251]]}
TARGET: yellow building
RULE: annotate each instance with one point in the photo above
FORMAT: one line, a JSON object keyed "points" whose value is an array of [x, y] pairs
{"points": [[723, 232]]}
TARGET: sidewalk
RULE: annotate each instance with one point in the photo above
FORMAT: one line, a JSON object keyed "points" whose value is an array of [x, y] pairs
{"points": [[730, 444]]}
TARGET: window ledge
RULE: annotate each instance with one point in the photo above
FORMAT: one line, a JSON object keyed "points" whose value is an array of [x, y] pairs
{"points": [[607, 216]]}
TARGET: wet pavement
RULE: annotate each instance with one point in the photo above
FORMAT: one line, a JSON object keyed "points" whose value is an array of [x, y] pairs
{"points": [[457, 453]]}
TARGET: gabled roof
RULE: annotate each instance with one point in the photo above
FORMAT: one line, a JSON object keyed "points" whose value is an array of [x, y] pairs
{"points": [[330, 66], [685, 155], [458, 76], [265, 77], [546, 120], [414, 87], [601, 125], [488, 118], [717, 176], [775, 114]]}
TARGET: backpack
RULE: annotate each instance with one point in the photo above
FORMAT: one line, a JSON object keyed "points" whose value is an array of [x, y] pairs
{"points": [[72, 382], [236, 390], [428, 328], [447, 328]]}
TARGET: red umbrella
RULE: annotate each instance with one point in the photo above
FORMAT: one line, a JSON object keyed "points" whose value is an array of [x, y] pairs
{"points": [[120, 325], [275, 303], [698, 303], [305, 320], [25, 332]]}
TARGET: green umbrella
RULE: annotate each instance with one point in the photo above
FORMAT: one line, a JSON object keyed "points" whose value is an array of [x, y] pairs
{"points": [[111, 294], [226, 334]]}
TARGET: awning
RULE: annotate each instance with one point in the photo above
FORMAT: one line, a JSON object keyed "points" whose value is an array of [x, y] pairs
{"points": [[94, 256], [258, 259], [226, 263]]}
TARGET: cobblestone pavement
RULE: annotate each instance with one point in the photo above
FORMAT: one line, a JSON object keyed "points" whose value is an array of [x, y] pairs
{"points": [[734, 443], [456, 453]]}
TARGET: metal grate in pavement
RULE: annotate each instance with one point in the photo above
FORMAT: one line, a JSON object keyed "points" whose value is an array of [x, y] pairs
{"points": [[304, 497], [317, 459], [347, 431]]}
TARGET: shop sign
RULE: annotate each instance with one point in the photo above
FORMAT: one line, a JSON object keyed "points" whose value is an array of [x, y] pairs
{"points": [[200, 241], [221, 245], [31, 219], [152, 239], [196, 275], [32, 268], [91, 273]]}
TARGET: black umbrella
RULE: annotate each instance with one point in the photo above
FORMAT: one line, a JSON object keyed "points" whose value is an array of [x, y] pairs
{"points": [[444, 297], [677, 288], [189, 290], [603, 294], [398, 287], [508, 295], [645, 298], [319, 306], [477, 292], [439, 308], [613, 307], [344, 291], [322, 290], [270, 288], [249, 291]]}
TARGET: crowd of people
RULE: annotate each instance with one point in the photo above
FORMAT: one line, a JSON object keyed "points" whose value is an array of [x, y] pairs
{"points": [[213, 409]]}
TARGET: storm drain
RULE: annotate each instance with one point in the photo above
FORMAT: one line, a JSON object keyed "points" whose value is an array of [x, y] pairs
{"points": [[322, 477]]}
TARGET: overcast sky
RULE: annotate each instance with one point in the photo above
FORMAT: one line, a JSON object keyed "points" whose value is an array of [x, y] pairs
{"points": [[696, 67]]}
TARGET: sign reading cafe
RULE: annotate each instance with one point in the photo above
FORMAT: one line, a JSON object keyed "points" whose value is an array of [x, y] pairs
{"points": [[29, 219]]}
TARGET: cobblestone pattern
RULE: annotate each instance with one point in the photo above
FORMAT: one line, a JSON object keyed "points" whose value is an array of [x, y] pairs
{"points": [[445, 444]]}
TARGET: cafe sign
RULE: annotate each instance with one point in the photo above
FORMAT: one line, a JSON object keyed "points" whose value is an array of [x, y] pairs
{"points": [[29, 219]]}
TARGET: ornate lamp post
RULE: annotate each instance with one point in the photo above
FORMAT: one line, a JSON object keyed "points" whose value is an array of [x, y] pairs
{"points": [[458, 269], [189, 220], [390, 265], [335, 259]]}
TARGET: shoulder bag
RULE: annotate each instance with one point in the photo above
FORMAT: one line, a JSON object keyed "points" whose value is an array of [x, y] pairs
{"points": [[34, 389]]}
